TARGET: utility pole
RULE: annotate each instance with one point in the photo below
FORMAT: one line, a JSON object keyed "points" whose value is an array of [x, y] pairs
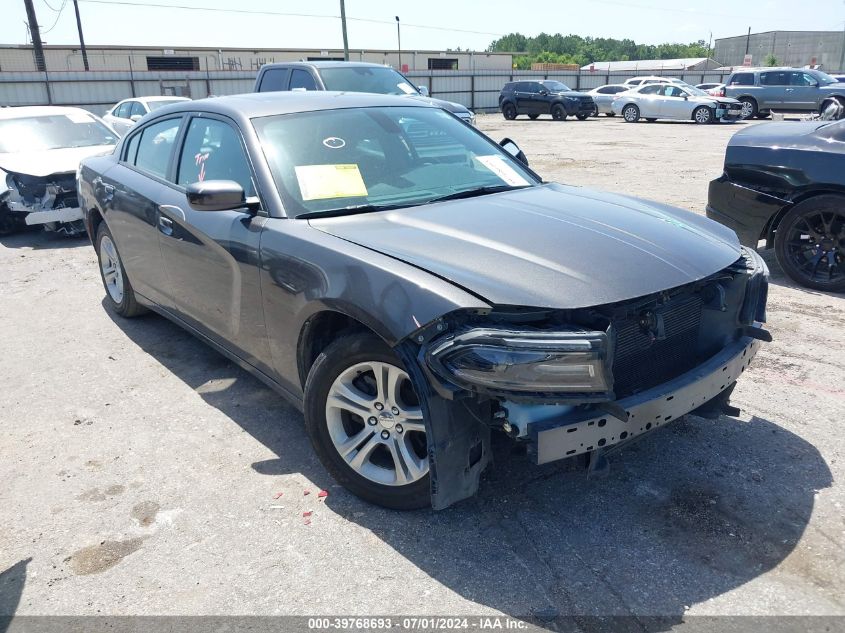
{"points": [[399, 40], [37, 46], [81, 39], [343, 27], [747, 40]]}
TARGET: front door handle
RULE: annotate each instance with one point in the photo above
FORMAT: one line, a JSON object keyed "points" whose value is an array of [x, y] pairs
{"points": [[165, 225]]}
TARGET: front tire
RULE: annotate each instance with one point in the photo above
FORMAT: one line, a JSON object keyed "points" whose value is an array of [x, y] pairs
{"points": [[631, 113], [810, 243], [558, 112], [582, 117], [120, 296], [366, 424], [509, 111], [609, 114], [703, 115]]}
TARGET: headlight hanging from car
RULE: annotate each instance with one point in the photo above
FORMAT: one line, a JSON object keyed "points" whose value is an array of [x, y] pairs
{"points": [[527, 361]]}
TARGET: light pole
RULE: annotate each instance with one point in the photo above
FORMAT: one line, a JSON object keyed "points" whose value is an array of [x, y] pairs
{"points": [[343, 28], [399, 40]]}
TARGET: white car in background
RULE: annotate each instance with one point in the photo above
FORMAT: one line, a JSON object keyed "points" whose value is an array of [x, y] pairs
{"points": [[674, 101], [128, 112], [653, 79], [603, 96], [40, 150]]}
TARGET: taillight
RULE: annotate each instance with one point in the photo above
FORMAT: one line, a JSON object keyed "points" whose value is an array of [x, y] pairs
{"points": [[721, 92]]}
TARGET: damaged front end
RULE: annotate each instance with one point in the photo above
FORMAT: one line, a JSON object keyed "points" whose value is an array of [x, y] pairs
{"points": [[582, 381], [50, 201]]}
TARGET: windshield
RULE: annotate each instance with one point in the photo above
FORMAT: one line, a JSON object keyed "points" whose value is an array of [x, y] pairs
{"points": [[337, 160], [376, 79], [155, 105], [39, 133], [824, 78], [556, 86]]}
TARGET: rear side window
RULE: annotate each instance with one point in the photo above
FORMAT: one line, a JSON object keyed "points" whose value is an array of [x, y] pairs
{"points": [[775, 78], [137, 109], [213, 151], [651, 89], [635, 82], [302, 80], [742, 79], [612, 90], [156, 146], [273, 80], [123, 111]]}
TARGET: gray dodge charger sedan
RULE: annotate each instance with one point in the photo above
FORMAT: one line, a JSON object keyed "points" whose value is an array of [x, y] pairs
{"points": [[413, 287]]}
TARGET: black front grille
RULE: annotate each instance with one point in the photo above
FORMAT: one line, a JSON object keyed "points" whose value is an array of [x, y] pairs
{"points": [[645, 357]]}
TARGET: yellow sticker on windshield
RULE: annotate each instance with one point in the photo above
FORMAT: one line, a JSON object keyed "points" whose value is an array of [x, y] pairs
{"points": [[321, 182]]}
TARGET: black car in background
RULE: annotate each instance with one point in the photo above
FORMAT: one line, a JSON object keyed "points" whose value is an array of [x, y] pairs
{"points": [[785, 183], [412, 287], [544, 97]]}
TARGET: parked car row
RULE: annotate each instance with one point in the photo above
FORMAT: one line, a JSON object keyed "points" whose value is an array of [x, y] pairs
{"points": [[756, 91]]}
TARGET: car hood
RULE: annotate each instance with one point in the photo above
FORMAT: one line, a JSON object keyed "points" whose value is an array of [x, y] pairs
{"points": [[451, 106], [572, 93], [548, 246], [47, 162], [781, 133]]}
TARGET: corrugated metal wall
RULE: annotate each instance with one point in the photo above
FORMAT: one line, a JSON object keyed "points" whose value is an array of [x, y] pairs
{"points": [[791, 48], [97, 91]]}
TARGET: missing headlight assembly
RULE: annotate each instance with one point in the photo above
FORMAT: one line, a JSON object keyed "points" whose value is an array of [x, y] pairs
{"points": [[47, 200]]}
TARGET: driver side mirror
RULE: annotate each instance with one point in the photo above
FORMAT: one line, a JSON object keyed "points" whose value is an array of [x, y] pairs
{"points": [[136, 117], [513, 149], [423, 90], [215, 195]]}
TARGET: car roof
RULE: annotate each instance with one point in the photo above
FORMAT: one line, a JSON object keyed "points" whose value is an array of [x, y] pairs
{"points": [[325, 64], [259, 104], [19, 112], [158, 98]]}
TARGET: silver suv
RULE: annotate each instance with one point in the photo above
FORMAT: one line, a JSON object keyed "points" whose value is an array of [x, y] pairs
{"points": [[762, 90]]}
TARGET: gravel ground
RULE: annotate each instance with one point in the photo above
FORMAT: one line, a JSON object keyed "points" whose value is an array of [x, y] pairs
{"points": [[144, 474]]}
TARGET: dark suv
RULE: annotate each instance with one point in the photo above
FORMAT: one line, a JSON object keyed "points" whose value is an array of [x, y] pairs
{"points": [[544, 97], [762, 90], [349, 77]]}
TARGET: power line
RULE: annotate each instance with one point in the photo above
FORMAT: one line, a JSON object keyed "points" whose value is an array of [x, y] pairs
{"points": [[58, 15], [282, 14]]}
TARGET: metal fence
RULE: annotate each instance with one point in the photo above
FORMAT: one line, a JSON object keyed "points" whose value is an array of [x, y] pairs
{"points": [[97, 90]]}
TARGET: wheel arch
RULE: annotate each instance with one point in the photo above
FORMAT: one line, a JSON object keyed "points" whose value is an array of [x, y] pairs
{"points": [[771, 227]]}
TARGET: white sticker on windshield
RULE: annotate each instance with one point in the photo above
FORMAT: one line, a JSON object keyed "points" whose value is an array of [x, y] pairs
{"points": [[322, 182], [408, 90], [498, 166], [77, 117]]}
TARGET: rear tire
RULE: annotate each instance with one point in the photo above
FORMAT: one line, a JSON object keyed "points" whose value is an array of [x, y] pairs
{"points": [[120, 296], [509, 111], [609, 114], [749, 107], [582, 117], [763, 115], [650, 120], [348, 407], [819, 220], [631, 113], [558, 112]]}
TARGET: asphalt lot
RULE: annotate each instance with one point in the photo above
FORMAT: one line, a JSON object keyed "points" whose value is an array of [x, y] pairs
{"points": [[141, 471]]}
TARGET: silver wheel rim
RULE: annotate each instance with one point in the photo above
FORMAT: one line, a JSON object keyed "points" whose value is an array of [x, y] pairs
{"points": [[702, 116], [110, 266], [747, 108], [630, 113], [379, 434]]}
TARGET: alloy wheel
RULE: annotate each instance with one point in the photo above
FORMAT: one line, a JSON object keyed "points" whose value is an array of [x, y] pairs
{"points": [[376, 424], [815, 246], [110, 267]]}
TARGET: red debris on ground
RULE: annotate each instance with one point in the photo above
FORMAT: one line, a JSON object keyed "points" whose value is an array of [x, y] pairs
{"points": [[278, 494], [307, 513], [322, 494], [307, 521], [305, 493]]}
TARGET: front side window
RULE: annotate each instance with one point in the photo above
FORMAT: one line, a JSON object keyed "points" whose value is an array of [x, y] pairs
{"points": [[137, 109], [302, 80], [122, 112], [375, 79], [213, 151], [155, 147], [333, 160], [54, 131]]}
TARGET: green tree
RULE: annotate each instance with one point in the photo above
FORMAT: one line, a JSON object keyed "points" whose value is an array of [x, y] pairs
{"points": [[771, 60]]}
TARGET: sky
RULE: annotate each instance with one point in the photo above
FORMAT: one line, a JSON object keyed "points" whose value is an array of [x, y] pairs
{"points": [[425, 24]]}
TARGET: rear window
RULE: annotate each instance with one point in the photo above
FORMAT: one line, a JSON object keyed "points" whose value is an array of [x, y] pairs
{"points": [[742, 79]]}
